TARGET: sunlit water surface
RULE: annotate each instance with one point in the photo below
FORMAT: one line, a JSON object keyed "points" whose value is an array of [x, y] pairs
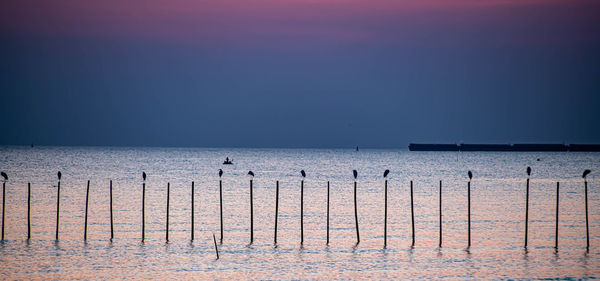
{"points": [[498, 211]]}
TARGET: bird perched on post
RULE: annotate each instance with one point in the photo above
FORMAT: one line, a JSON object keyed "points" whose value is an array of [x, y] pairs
{"points": [[59, 175], [529, 171], [144, 176], [303, 173], [470, 175], [355, 173], [585, 173], [250, 173], [385, 174], [220, 173], [5, 176]]}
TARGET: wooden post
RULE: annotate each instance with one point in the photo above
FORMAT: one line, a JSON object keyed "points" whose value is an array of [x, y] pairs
{"points": [[356, 215], [112, 229], [440, 245], [412, 214], [526, 210], [302, 212], [221, 206], [556, 228], [469, 214], [192, 211], [57, 208], [251, 215], [587, 225], [385, 216], [216, 247], [167, 225], [3, 207], [276, 210], [327, 212], [143, 210], [87, 197], [28, 211]]}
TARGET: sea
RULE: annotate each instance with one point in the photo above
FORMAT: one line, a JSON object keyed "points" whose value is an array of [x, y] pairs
{"points": [[498, 195]]}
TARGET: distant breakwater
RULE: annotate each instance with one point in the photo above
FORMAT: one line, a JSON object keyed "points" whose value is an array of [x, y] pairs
{"points": [[530, 147]]}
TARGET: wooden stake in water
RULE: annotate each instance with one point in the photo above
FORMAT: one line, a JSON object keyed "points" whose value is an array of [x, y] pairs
{"points": [[356, 209], [527, 204], [251, 174], [143, 206], [221, 202], [327, 212], [112, 229], [3, 203], [167, 225], [87, 197], [302, 212], [385, 174], [58, 204], [556, 228], [28, 211], [192, 223], [440, 244], [587, 224], [469, 209], [216, 247], [412, 214], [276, 210]]}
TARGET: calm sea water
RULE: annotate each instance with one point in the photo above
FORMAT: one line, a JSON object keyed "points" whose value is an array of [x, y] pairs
{"points": [[498, 210]]}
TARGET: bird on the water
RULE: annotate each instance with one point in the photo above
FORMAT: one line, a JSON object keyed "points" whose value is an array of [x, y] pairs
{"points": [[470, 175], [385, 174], [529, 171], [59, 175], [250, 173], [303, 173], [5, 176], [355, 173], [144, 176], [220, 172], [585, 173]]}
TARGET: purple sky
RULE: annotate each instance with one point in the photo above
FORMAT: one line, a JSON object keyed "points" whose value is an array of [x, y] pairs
{"points": [[290, 73]]}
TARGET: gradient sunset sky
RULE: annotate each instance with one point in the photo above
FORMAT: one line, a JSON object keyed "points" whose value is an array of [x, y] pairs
{"points": [[291, 73]]}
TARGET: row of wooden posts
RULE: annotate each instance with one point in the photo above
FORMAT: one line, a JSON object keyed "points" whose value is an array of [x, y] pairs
{"points": [[385, 174]]}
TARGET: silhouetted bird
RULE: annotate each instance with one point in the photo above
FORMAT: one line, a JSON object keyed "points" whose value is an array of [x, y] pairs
{"points": [[303, 173], [5, 176], [355, 173], [470, 175], [385, 174], [144, 176], [529, 171], [59, 175], [220, 173], [251, 173], [585, 173]]}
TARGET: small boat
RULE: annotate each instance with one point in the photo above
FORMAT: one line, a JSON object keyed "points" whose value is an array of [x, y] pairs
{"points": [[227, 161]]}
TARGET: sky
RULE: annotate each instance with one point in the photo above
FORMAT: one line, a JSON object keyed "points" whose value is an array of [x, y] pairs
{"points": [[298, 73]]}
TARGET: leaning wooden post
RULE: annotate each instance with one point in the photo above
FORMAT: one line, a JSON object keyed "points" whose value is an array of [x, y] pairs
{"points": [[556, 228], [356, 209], [412, 214], [385, 174], [221, 202], [167, 224], [327, 212], [28, 211], [469, 209], [302, 207], [143, 206], [216, 247], [87, 197], [440, 244], [527, 204], [58, 204], [276, 210], [587, 225], [112, 229], [251, 174], [192, 211], [3, 202]]}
